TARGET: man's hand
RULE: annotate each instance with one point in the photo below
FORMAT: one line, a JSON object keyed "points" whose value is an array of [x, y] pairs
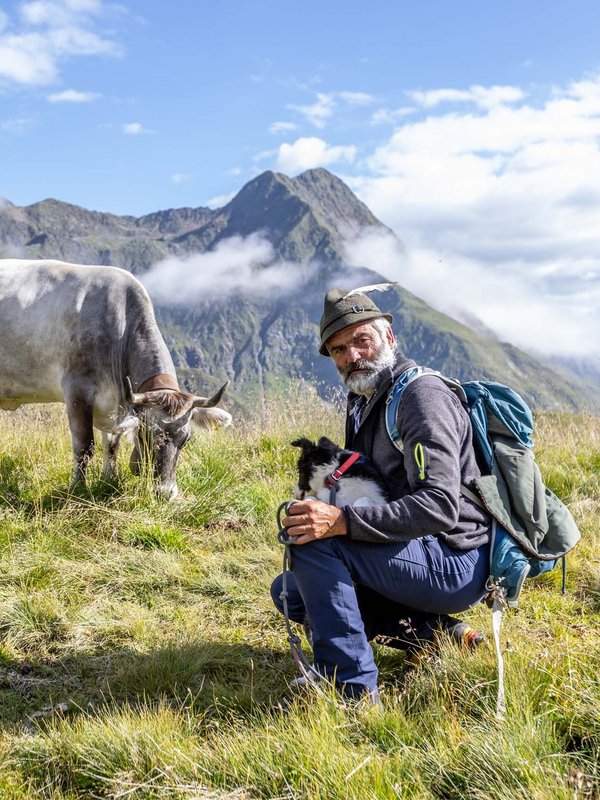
{"points": [[308, 520]]}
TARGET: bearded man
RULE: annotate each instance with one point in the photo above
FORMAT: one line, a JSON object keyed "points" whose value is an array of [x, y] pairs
{"points": [[398, 569]]}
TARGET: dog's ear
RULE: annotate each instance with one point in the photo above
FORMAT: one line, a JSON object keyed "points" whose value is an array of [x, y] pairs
{"points": [[304, 443], [327, 443]]}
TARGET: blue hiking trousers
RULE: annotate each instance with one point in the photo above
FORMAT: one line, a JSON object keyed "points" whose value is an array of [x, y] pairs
{"points": [[422, 574]]}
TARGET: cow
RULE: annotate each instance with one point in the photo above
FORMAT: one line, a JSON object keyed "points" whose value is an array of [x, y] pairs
{"points": [[87, 336]]}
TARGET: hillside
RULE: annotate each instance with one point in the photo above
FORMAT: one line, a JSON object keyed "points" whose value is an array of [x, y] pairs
{"points": [[141, 656], [258, 339]]}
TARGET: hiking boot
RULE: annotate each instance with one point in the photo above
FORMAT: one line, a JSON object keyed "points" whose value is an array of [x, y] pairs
{"points": [[426, 645], [305, 680], [461, 633]]}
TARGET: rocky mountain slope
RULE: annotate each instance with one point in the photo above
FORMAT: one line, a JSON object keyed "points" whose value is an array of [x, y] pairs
{"points": [[261, 340]]}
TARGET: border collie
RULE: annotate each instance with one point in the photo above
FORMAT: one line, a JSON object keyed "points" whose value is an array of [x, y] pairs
{"points": [[360, 484]]}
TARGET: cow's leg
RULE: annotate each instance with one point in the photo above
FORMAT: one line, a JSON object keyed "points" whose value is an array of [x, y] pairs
{"points": [[80, 411], [110, 449]]}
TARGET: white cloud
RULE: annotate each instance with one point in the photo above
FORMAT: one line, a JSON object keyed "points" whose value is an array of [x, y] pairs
{"points": [[482, 96], [319, 112], [72, 96], [282, 127], [499, 209], [47, 34], [391, 116], [220, 200], [135, 129], [237, 264], [180, 177], [264, 155], [310, 151]]}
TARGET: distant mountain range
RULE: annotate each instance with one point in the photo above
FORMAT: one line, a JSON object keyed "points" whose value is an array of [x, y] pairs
{"points": [[262, 341]]}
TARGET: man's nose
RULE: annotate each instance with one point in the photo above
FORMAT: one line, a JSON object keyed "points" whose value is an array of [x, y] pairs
{"points": [[352, 354]]}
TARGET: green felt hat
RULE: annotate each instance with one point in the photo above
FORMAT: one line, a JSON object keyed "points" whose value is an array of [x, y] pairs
{"points": [[343, 308]]}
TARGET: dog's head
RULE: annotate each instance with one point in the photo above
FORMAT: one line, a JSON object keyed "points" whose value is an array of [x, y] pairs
{"points": [[315, 463]]}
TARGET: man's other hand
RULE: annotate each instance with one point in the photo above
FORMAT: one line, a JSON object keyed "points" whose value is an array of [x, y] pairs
{"points": [[308, 520]]}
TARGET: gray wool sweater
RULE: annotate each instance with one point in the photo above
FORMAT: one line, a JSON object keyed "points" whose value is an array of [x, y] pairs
{"points": [[425, 489]]}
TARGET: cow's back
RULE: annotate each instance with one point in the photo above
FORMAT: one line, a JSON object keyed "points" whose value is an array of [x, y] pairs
{"points": [[59, 319]]}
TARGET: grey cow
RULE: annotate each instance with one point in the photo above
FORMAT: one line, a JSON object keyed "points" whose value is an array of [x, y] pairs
{"points": [[85, 335]]}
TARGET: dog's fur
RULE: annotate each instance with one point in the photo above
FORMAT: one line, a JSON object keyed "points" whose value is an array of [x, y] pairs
{"points": [[361, 484]]}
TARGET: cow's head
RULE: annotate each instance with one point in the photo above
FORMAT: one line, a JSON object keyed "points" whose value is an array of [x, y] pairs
{"points": [[161, 423]]}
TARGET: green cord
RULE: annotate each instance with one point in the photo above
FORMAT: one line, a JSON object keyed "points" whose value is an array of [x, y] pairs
{"points": [[419, 452]]}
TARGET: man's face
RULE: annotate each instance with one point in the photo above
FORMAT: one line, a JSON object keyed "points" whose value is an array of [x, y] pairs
{"points": [[360, 353]]}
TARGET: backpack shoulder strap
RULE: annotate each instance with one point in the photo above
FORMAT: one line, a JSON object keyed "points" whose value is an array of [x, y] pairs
{"points": [[397, 390], [393, 400]]}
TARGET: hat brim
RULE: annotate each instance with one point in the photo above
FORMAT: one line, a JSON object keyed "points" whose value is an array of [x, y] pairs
{"points": [[344, 322]]}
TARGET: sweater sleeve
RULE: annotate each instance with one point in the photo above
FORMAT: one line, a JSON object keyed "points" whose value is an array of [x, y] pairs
{"points": [[432, 425]]}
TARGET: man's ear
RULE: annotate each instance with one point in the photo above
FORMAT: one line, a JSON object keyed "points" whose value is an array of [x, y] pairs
{"points": [[389, 335]]}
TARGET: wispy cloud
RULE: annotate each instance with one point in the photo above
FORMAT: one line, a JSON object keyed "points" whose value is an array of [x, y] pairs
{"points": [[282, 127], [238, 264], [136, 129], [47, 33], [482, 96], [318, 112], [357, 98], [311, 151], [180, 177], [16, 125], [391, 116], [72, 96], [220, 200]]}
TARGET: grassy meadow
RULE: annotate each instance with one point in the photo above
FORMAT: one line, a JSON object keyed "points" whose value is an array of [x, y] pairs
{"points": [[140, 656]]}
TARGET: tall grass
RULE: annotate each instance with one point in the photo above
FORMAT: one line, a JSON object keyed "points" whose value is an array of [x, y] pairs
{"points": [[140, 656]]}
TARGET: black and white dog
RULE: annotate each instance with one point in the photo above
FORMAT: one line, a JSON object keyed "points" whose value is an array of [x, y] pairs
{"points": [[355, 479]]}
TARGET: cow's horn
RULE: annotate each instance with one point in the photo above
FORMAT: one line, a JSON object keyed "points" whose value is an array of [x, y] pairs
{"points": [[206, 402], [133, 398]]}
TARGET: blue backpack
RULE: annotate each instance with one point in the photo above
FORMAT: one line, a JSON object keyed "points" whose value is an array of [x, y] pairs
{"points": [[534, 528], [531, 527]]}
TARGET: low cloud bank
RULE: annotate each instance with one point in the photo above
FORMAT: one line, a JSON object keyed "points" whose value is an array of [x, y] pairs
{"points": [[544, 309], [248, 265]]}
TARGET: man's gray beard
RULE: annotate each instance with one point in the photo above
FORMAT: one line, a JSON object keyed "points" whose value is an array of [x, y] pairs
{"points": [[366, 382]]}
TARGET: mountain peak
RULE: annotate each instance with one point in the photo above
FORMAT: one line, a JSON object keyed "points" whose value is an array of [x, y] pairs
{"points": [[316, 209]]}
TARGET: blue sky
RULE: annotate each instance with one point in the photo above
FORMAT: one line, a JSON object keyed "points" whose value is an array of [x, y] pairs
{"points": [[471, 128]]}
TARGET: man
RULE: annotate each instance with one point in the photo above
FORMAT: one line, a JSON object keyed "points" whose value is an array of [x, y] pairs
{"points": [[406, 564]]}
